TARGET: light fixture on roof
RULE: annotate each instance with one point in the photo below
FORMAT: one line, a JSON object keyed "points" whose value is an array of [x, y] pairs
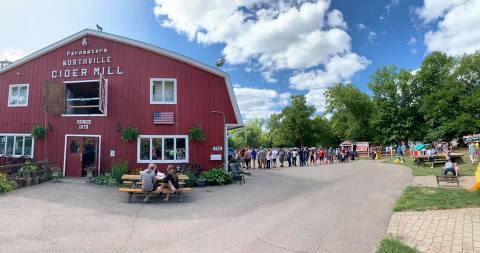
{"points": [[84, 42], [220, 62], [99, 28]]}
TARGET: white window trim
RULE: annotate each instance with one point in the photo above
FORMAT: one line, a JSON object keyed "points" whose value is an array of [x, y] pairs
{"points": [[174, 80], [18, 85], [174, 147], [4, 153], [90, 115]]}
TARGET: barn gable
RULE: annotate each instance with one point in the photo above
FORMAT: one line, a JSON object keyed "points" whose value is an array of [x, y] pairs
{"points": [[141, 45]]}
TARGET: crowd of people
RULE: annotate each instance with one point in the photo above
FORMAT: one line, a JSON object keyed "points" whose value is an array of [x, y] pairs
{"points": [[267, 158]]}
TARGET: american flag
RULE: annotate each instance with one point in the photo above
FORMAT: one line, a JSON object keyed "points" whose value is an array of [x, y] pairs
{"points": [[163, 118]]}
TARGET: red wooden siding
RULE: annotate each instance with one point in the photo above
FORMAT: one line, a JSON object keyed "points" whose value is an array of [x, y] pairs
{"points": [[198, 93]]}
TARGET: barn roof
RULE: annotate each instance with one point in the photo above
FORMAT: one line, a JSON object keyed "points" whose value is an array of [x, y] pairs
{"points": [[138, 44]]}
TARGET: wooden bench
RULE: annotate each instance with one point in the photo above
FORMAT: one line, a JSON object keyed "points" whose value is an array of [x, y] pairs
{"points": [[159, 191]]}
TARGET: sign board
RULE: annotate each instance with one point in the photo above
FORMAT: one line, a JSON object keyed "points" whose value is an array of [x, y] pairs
{"points": [[215, 157], [112, 153], [217, 148], [84, 124]]}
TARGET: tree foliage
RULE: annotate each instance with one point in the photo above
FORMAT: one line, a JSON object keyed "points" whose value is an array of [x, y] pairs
{"points": [[351, 111]]}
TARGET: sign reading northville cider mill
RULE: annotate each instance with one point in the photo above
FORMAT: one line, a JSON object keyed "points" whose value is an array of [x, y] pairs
{"points": [[84, 62]]}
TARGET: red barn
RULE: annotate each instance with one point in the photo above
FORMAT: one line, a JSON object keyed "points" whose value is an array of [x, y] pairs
{"points": [[97, 85]]}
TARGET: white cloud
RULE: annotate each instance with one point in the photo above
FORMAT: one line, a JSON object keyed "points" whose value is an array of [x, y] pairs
{"points": [[391, 5], [361, 26], [11, 54], [434, 9], [371, 36], [412, 41], [276, 35], [456, 22], [335, 19], [316, 97], [338, 69], [260, 103]]}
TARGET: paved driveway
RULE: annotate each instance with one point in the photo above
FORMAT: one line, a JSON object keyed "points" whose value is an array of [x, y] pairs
{"points": [[338, 208]]}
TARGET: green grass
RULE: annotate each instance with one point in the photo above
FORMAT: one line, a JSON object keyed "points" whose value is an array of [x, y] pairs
{"points": [[426, 198], [466, 169], [389, 245]]}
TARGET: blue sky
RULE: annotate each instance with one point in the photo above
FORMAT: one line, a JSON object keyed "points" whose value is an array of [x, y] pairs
{"points": [[273, 48]]}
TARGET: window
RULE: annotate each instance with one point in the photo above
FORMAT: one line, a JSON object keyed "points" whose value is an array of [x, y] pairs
{"points": [[162, 149], [163, 91], [18, 95], [16, 145], [85, 98]]}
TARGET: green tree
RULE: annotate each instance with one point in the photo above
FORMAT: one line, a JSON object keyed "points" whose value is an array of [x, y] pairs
{"points": [[251, 135], [351, 111], [322, 133], [396, 116]]}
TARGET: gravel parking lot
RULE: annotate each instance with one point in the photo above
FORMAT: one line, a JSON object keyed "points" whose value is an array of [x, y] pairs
{"points": [[335, 208]]}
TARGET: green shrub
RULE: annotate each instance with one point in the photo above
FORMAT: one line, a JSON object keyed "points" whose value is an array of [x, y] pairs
{"points": [[129, 134], [5, 184], [106, 181], [119, 168], [216, 176]]}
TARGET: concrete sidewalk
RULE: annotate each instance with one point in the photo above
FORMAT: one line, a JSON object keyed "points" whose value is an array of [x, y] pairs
{"points": [[454, 230], [466, 182]]}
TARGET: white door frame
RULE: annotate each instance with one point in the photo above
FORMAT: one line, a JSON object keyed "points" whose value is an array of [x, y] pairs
{"points": [[82, 135]]}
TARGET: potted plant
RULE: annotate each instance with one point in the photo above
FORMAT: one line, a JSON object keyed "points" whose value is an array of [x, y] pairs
{"points": [[90, 171], [27, 170], [38, 132], [56, 173], [200, 182]]}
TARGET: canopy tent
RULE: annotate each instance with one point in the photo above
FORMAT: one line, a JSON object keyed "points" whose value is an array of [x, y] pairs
{"points": [[471, 138]]}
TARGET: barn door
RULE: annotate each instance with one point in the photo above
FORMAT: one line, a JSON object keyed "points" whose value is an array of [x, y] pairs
{"points": [[102, 94], [74, 152]]}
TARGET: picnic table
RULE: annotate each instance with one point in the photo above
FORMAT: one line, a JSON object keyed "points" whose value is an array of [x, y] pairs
{"points": [[134, 182], [421, 160]]}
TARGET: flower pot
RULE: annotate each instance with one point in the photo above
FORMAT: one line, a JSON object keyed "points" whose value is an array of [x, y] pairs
{"points": [[200, 182], [90, 177], [28, 181]]}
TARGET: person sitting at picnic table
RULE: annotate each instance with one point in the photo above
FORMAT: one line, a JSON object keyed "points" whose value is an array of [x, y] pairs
{"points": [[170, 181], [449, 167], [149, 181]]}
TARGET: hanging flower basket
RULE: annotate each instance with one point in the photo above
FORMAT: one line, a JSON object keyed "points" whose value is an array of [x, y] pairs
{"points": [[196, 134], [38, 132]]}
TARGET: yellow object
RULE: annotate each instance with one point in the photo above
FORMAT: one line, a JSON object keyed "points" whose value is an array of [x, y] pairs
{"points": [[477, 174], [475, 187]]}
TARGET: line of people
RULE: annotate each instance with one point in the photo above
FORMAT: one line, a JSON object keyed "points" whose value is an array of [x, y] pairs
{"points": [[267, 158]]}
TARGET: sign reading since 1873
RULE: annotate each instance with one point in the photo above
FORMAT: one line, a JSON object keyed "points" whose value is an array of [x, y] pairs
{"points": [[84, 62], [83, 124]]}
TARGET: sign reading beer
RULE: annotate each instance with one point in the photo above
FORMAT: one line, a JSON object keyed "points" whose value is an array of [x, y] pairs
{"points": [[85, 62]]}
